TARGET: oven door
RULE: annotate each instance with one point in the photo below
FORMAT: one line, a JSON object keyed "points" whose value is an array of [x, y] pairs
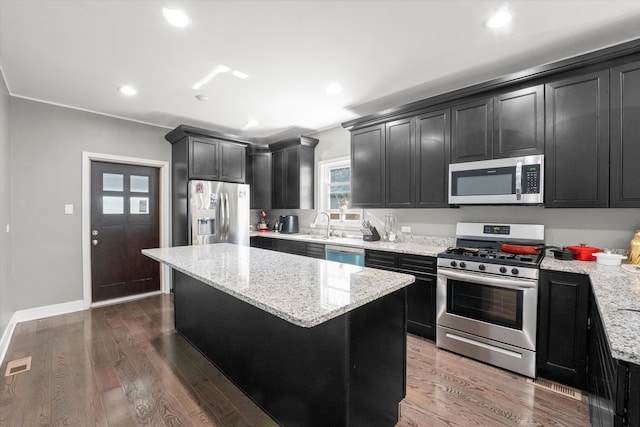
{"points": [[492, 307]]}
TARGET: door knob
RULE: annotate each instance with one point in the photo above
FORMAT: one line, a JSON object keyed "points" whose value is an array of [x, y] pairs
{"points": [[94, 242], [94, 232]]}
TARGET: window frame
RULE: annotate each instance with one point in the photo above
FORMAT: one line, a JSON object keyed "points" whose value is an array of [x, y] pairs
{"points": [[322, 192]]}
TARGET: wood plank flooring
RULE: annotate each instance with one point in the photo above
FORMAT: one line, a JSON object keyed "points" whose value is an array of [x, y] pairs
{"points": [[124, 365]]}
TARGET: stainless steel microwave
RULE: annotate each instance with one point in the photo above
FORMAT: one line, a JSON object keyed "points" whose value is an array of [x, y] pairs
{"points": [[510, 181]]}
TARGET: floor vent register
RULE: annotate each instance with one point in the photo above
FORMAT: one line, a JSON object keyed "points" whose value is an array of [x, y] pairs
{"points": [[556, 388], [18, 365]]}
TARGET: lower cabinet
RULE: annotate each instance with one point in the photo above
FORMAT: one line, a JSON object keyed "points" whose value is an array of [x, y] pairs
{"points": [[563, 322], [421, 295], [312, 250]]}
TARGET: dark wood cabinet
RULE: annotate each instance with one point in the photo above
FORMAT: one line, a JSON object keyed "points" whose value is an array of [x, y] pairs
{"points": [[203, 158], [625, 128], [432, 156], [399, 163], [215, 160], [509, 124], [608, 379], [259, 177], [295, 247], [368, 167], [421, 295], [518, 123], [293, 170], [232, 164], [563, 316], [472, 131], [577, 141]]}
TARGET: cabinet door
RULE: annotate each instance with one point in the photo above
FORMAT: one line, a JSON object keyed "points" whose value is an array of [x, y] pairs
{"points": [[563, 328], [203, 159], [472, 131], [518, 123], [433, 152], [400, 178], [292, 178], [260, 180], [625, 129], [421, 307], [278, 180], [577, 142], [368, 167], [232, 162]]}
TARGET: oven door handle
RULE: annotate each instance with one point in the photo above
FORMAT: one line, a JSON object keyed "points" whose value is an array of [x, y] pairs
{"points": [[488, 280]]}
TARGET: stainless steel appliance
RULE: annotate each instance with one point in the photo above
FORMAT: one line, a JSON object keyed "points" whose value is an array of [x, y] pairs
{"points": [[487, 299], [514, 180], [344, 254], [218, 212], [288, 224]]}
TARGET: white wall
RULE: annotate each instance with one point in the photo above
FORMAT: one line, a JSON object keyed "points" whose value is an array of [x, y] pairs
{"points": [[608, 228], [46, 152], [6, 301]]}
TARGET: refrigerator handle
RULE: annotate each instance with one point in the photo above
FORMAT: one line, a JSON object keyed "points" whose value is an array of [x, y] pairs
{"points": [[228, 216], [222, 218]]}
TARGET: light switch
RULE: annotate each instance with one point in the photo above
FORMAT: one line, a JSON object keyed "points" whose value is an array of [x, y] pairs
{"points": [[68, 209], [8, 228]]}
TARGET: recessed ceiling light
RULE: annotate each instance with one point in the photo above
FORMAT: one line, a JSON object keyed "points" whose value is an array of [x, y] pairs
{"points": [[250, 124], [499, 19], [203, 98], [127, 90], [240, 74], [333, 88], [175, 17]]}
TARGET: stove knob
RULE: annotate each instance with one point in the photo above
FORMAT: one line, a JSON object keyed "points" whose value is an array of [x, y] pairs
{"points": [[514, 271], [482, 267], [453, 263], [503, 270], [463, 265]]}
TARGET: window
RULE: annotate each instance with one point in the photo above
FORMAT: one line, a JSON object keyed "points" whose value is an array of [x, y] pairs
{"points": [[334, 191]]}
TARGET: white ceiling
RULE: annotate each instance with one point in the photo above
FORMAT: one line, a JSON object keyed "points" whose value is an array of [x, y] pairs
{"points": [[384, 53]]}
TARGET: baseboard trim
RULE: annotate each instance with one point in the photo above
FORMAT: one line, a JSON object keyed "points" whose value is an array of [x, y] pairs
{"points": [[124, 299], [35, 314]]}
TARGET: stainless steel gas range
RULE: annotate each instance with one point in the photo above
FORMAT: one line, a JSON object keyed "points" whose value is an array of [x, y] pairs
{"points": [[487, 298]]}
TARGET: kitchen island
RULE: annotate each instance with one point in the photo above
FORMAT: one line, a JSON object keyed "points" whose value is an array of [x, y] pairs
{"points": [[313, 342]]}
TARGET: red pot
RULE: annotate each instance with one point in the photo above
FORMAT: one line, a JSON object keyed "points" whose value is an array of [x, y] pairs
{"points": [[584, 252]]}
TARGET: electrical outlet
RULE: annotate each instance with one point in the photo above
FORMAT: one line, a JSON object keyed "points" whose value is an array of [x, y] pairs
{"points": [[68, 209], [8, 228], [406, 229]]}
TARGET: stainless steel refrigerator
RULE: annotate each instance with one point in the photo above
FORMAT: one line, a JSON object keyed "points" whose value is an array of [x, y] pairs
{"points": [[218, 212]]}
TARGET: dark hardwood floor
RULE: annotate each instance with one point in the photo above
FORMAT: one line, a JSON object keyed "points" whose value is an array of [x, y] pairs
{"points": [[124, 365]]}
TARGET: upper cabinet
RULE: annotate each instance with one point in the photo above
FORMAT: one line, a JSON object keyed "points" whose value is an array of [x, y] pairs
{"points": [[505, 125], [624, 137], [399, 163], [577, 141], [259, 176], [202, 154], [368, 155], [431, 160], [292, 172]]}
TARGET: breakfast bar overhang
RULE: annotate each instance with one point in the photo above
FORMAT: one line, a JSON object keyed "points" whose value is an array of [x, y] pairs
{"points": [[317, 343]]}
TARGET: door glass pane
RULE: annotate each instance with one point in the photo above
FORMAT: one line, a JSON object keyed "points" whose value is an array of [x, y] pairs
{"points": [[112, 182], [112, 205], [139, 205], [139, 184]]}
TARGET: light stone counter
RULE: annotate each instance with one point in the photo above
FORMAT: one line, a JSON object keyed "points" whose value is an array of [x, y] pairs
{"points": [[617, 294], [416, 245], [303, 291]]}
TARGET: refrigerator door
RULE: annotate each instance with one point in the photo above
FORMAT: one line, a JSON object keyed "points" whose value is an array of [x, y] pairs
{"points": [[218, 212]]}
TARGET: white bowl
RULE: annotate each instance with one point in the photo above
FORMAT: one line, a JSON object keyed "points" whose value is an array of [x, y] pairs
{"points": [[607, 258]]}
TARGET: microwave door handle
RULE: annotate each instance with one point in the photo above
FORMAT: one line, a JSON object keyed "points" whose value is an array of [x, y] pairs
{"points": [[519, 180]]}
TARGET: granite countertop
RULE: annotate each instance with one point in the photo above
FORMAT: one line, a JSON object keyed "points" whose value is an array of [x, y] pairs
{"points": [[301, 290], [617, 294], [416, 245]]}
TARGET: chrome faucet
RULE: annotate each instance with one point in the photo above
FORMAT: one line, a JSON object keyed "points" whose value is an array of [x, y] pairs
{"points": [[315, 222]]}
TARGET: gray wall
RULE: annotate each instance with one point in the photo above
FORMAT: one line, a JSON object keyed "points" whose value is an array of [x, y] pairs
{"points": [[46, 152], [608, 228], [6, 301]]}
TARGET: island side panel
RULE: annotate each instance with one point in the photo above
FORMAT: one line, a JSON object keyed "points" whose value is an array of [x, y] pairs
{"points": [[299, 376], [378, 355], [349, 371]]}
